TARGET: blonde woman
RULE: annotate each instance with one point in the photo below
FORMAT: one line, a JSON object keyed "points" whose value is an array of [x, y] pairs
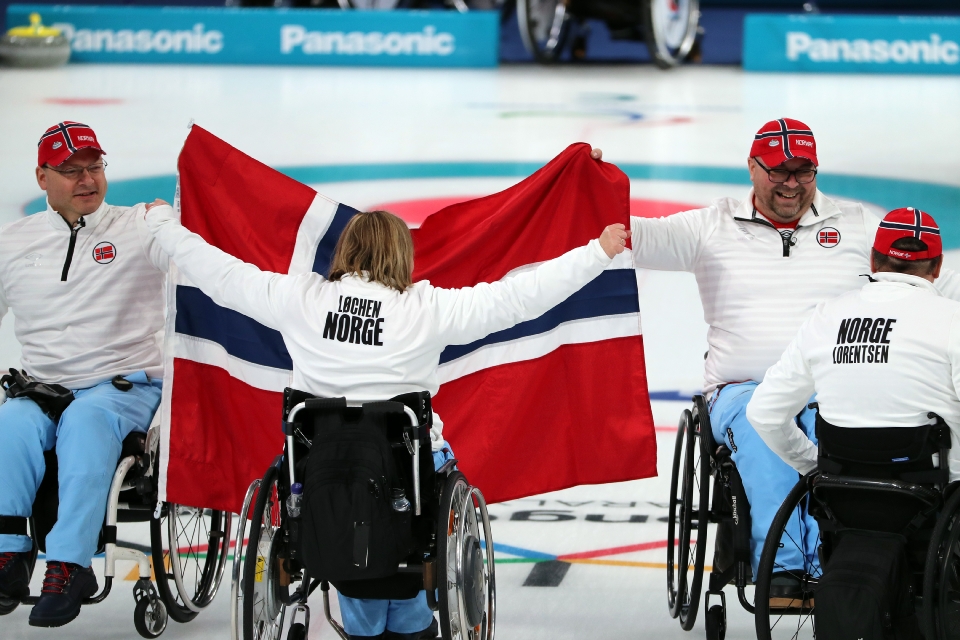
{"points": [[368, 332]]}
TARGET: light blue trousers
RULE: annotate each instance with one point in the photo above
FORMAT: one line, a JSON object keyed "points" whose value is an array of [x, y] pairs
{"points": [[88, 439], [766, 478], [372, 617]]}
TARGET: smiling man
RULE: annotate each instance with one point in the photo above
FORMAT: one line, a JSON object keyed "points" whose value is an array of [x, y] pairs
{"points": [[762, 265], [84, 280]]}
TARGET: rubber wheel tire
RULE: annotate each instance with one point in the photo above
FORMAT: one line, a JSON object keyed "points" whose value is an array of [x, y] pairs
{"points": [[945, 531], [714, 619], [253, 543], [140, 618], [696, 477], [665, 60], [444, 522], [297, 632], [7, 606], [180, 613], [526, 26], [676, 581]]}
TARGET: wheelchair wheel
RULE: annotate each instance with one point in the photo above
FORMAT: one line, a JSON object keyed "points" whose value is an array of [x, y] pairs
{"points": [[941, 580], [670, 29], [262, 610], [466, 579], [544, 28], [688, 521], [150, 617], [190, 548], [794, 619]]}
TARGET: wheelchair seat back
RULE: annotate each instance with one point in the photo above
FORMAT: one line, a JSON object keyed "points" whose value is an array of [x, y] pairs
{"points": [[354, 462], [883, 479]]}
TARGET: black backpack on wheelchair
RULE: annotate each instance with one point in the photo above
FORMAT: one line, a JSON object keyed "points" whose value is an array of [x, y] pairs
{"points": [[375, 519], [876, 499]]}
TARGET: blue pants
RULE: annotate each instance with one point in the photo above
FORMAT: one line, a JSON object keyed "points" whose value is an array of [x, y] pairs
{"points": [[766, 478], [372, 617], [88, 439]]}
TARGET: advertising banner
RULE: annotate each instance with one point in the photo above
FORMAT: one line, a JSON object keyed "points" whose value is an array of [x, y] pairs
{"points": [[272, 36], [859, 44]]}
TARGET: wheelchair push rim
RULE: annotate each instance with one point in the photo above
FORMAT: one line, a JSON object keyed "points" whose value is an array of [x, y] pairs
{"points": [[203, 538], [544, 27], [262, 611], [797, 619], [466, 573], [676, 580], [670, 29], [941, 582]]}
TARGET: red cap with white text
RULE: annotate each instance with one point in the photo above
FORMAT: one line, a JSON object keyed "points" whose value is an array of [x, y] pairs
{"points": [[782, 140], [63, 140], [908, 223]]}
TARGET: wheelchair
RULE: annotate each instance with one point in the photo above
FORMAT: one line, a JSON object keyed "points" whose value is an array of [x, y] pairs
{"points": [[188, 547], [854, 488], [450, 552], [668, 27]]}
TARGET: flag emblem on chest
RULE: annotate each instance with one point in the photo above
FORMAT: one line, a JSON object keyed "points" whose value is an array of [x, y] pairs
{"points": [[104, 253], [828, 237]]}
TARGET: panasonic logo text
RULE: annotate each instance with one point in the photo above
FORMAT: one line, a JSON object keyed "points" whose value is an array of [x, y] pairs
{"points": [[196, 40], [374, 43], [934, 50]]}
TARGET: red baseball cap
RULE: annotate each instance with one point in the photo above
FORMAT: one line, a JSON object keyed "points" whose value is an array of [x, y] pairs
{"points": [[782, 140], [63, 140], [908, 223]]}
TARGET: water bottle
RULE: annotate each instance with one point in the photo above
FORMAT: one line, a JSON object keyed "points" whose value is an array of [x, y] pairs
{"points": [[293, 500], [399, 501]]}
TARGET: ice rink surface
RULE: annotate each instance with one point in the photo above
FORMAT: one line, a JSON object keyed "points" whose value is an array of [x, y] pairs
{"points": [[609, 581]]}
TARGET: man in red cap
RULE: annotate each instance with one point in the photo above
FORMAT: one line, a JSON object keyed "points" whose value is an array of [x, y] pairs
{"points": [[84, 280], [884, 355], [762, 266]]}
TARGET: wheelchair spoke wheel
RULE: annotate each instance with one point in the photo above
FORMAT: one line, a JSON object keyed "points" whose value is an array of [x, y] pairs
{"points": [[544, 27], [941, 583], [779, 616], [466, 574], [262, 610], [688, 521], [190, 549], [670, 29]]}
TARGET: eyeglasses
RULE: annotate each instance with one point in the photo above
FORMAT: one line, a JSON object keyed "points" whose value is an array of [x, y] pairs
{"points": [[779, 176], [73, 173]]}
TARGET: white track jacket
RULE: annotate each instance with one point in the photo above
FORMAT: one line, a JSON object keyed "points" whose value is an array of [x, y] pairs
{"points": [[88, 302], [756, 285], [882, 356], [360, 339]]}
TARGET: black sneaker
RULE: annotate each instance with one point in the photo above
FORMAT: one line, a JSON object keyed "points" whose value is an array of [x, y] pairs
{"points": [[14, 575], [786, 591], [65, 586], [431, 632]]}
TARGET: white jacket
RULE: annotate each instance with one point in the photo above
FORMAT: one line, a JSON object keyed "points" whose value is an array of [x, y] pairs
{"points": [[360, 339], [886, 373], [98, 315], [756, 286]]}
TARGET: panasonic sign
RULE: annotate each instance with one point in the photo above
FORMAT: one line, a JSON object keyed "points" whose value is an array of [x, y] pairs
{"points": [[427, 42], [864, 44], [163, 41], [934, 50]]}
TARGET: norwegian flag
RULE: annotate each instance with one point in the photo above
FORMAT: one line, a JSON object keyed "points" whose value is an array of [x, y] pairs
{"points": [[828, 237], [554, 402], [103, 252]]}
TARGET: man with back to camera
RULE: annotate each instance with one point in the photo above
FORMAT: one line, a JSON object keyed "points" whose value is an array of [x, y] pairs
{"points": [[762, 266], [889, 372], [84, 280]]}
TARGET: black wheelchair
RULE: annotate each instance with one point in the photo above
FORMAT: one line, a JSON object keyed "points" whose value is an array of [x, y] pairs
{"points": [[668, 27], [446, 549], [895, 485], [188, 547]]}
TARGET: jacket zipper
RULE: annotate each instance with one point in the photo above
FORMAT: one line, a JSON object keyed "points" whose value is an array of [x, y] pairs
{"points": [[787, 240], [80, 224]]}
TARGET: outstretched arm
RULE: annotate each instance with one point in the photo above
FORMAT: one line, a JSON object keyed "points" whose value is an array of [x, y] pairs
{"points": [[468, 314], [230, 282]]}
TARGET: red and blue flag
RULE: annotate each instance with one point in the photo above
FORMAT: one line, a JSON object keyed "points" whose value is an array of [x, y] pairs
{"points": [[550, 403]]}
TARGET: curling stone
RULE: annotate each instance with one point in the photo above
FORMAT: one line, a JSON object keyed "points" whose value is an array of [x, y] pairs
{"points": [[34, 46]]}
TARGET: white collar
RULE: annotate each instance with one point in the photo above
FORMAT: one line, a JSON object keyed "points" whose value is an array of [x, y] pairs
{"points": [[905, 279], [90, 220], [821, 208]]}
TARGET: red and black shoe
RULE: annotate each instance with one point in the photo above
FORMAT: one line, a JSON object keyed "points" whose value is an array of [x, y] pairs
{"points": [[65, 587], [14, 575]]}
